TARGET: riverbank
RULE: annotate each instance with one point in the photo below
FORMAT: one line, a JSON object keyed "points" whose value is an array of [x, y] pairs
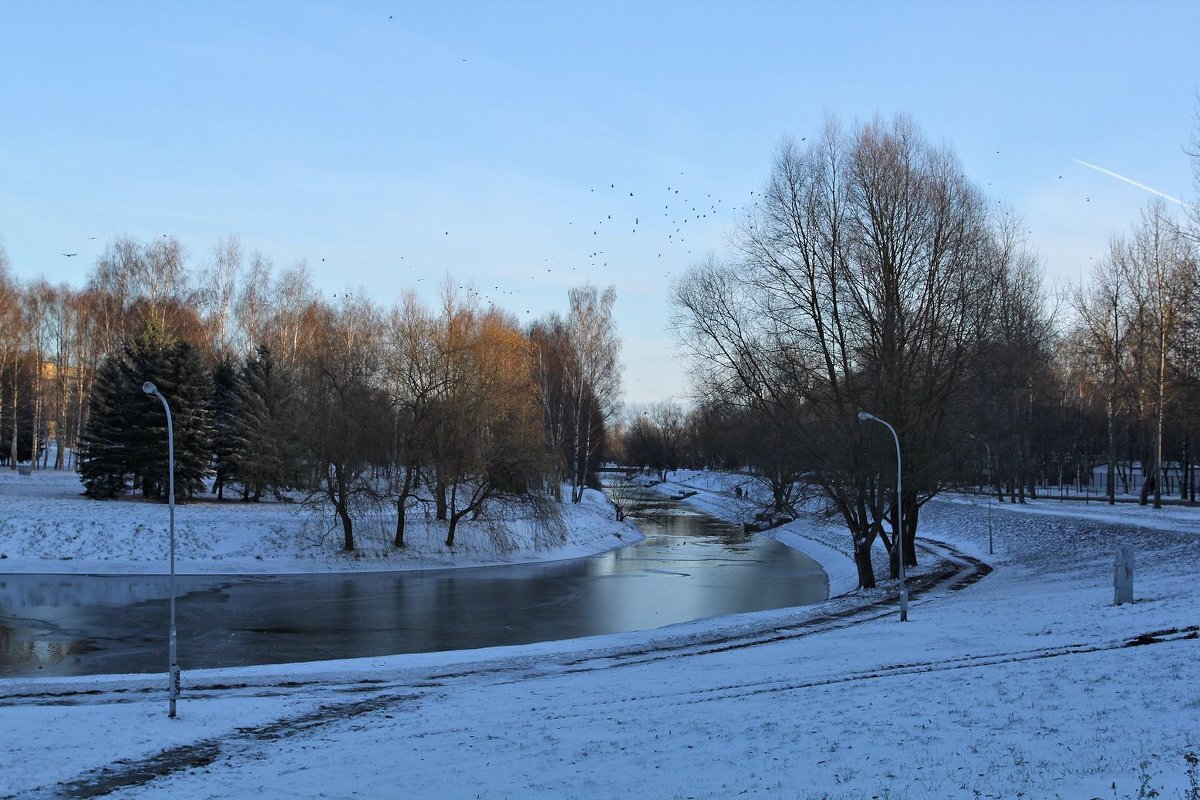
{"points": [[735, 498], [48, 526], [1025, 684]]}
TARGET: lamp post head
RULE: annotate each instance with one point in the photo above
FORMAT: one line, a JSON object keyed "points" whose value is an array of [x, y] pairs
{"points": [[863, 416], [149, 388]]}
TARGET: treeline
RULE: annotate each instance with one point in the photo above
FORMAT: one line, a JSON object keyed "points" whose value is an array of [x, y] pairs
{"points": [[872, 275], [278, 391]]}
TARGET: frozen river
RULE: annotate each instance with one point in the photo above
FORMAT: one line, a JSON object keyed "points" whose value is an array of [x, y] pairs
{"points": [[689, 567]]}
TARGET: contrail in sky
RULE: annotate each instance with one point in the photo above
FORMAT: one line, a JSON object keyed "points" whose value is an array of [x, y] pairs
{"points": [[1134, 183]]}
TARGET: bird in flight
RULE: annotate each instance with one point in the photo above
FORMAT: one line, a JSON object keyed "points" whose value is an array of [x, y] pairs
{"points": [[70, 255]]}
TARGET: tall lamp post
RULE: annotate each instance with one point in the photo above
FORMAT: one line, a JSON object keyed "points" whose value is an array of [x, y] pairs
{"points": [[898, 531], [989, 494], [173, 674]]}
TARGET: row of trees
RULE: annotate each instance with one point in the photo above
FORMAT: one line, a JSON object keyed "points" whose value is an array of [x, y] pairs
{"points": [[1136, 345], [277, 391], [872, 275]]}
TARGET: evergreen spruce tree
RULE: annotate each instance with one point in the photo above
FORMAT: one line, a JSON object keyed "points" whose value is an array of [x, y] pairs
{"points": [[104, 460], [266, 453], [225, 427], [187, 389], [126, 435]]}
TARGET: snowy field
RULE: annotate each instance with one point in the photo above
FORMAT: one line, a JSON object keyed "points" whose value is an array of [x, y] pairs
{"points": [[47, 525], [1024, 684]]}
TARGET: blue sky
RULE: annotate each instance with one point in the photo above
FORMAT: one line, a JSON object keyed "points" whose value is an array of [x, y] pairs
{"points": [[391, 144]]}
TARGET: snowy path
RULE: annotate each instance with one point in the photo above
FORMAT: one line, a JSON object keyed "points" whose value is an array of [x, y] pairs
{"points": [[1028, 683]]}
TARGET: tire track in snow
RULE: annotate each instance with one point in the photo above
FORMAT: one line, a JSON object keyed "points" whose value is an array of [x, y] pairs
{"points": [[734, 691], [953, 571], [126, 774]]}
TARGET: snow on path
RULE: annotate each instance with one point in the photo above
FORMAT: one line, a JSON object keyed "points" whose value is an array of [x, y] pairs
{"points": [[1019, 686]]}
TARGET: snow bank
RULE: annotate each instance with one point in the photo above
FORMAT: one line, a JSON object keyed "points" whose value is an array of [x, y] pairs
{"points": [[47, 525]]}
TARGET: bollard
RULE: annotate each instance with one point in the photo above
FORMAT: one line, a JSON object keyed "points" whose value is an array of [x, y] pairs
{"points": [[1123, 576]]}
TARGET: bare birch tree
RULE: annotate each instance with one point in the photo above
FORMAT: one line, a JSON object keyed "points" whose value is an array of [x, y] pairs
{"points": [[594, 375], [1098, 313], [1159, 273]]}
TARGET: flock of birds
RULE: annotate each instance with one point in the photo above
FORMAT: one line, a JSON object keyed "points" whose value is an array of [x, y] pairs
{"points": [[634, 227], [631, 226]]}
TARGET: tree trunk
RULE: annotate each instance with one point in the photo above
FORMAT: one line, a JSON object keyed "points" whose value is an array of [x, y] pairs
{"points": [[15, 415], [410, 481], [1110, 483], [347, 528], [1158, 421], [439, 496], [398, 541], [1185, 470], [455, 516], [343, 511], [862, 561], [575, 445], [912, 513], [37, 416], [1147, 480]]}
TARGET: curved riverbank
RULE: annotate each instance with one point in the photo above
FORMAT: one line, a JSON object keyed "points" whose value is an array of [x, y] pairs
{"points": [[48, 527], [689, 566]]}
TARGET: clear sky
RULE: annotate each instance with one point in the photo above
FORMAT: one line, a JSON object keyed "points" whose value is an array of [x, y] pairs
{"points": [[393, 143]]}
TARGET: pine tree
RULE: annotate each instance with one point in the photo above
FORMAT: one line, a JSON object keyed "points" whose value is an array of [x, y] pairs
{"points": [[188, 382], [225, 426], [126, 435], [104, 461], [265, 415]]}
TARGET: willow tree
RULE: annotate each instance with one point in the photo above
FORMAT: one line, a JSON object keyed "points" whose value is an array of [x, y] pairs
{"points": [[862, 280]]}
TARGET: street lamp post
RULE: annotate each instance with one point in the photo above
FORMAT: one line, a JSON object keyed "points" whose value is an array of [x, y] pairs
{"points": [[173, 673], [989, 494], [898, 531]]}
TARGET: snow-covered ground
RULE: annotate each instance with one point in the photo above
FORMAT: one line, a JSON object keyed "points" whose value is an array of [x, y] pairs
{"points": [[47, 525], [1020, 685]]}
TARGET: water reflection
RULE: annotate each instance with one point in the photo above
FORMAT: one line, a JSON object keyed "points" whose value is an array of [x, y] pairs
{"points": [[690, 566]]}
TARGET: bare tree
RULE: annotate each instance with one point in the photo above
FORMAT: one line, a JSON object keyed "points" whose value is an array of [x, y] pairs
{"points": [[291, 327], [252, 303], [1015, 381], [864, 282], [39, 302], [343, 412], [412, 384], [216, 295], [552, 364], [1158, 270], [1098, 312], [112, 284], [10, 317], [594, 376]]}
